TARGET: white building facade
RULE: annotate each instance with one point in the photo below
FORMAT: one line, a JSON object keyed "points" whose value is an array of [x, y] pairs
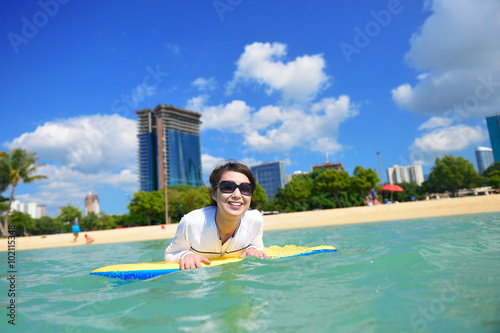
{"points": [[405, 174], [34, 210]]}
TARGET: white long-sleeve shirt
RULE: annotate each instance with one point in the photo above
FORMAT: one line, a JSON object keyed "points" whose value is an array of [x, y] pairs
{"points": [[197, 233]]}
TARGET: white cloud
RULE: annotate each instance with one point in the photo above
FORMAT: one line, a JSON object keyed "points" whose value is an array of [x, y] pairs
{"points": [[402, 94], [458, 49], [266, 116], [174, 48], [203, 84], [66, 185], [435, 122], [141, 92], [278, 128], [298, 80], [327, 145], [316, 128], [231, 116], [250, 161], [197, 103], [64, 177], [208, 164], [89, 144], [83, 154], [445, 140]]}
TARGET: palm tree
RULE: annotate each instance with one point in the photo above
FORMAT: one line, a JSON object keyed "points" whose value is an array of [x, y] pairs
{"points": [[17, 166]]}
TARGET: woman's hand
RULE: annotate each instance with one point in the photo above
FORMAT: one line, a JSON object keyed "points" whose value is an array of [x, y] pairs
{"points": [[251, 251], [193, 260]]}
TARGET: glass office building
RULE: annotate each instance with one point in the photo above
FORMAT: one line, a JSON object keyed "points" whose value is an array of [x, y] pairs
{"points": [[147, 162], [493, 123], [184, 161], [484, 158], [271, 176], [169, 148]]}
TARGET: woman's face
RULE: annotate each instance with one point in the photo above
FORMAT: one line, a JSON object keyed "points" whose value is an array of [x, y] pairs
{"points": [[232, 204]]}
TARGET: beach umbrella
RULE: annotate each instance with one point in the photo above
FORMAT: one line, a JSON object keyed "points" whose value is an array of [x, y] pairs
{"points": [[392, 188]]}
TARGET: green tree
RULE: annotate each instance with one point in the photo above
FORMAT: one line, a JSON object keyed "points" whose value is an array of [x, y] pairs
{"points": [[184, 198], [125, 219], [493, 167], [105, 222], [22, 221], [363, 180], [4, 181], [4, 184], [275, 203], [147, 204], [3, 205], [89, 222], [259, 195], [322, 200], [494, 179], [300, 189], [47, 225], [333, 181], [451, 174], [17, 166], [492, 175], [68, 216]]}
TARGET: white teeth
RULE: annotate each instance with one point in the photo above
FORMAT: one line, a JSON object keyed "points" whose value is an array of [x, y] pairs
{"points": [[235, 203]]}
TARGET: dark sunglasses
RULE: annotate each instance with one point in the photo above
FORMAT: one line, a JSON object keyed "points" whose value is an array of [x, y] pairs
{"points": [[228, 186]]}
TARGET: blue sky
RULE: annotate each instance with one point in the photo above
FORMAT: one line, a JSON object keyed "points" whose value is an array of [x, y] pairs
{"points": [[274, 80]]}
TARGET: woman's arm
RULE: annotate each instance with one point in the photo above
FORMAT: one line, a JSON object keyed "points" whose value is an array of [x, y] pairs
{"points": [[256, 247], [180, 245]]}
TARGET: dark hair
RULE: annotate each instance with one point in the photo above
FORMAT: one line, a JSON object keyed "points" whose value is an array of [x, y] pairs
{"points": [[231, 165]]}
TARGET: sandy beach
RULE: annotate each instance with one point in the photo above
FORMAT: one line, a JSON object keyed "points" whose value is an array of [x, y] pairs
{"points": [[366, 214]]}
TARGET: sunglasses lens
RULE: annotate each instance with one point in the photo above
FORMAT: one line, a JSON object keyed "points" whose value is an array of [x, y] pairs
{"points": [[246, 189], [227, 187], [230, 187]]}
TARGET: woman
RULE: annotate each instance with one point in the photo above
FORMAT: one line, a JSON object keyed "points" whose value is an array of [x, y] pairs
{"points": [[230, 227], [88, 239]]}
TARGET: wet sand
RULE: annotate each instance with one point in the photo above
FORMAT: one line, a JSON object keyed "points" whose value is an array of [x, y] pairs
{"points": [[366, 214]]}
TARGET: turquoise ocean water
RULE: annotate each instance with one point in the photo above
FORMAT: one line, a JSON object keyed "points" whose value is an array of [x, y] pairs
{"points": [[422, 275]]}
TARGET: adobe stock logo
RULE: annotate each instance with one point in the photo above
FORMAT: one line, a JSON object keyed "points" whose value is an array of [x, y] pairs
{"points": [[372, 29], [224, 6], [29, 29]]}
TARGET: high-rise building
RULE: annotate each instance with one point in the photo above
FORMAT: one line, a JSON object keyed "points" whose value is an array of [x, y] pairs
{"points": [[41, 210], [270, 176], [405, 174], [169, 147], [91, 204], [336, 166], [288, 178], [493, 123], [484, 157], [32, 209]]}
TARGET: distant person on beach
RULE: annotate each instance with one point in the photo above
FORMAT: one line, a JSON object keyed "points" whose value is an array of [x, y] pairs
{"points": [[229, 227], [374, 197], [76, 230], [88, 239]]}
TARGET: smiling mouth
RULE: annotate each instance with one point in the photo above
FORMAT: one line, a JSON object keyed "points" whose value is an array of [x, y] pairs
{"points": [[236, 204]]}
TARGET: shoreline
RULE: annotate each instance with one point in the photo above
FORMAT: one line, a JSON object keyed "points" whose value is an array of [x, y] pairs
{"points": [[296, 220]]}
